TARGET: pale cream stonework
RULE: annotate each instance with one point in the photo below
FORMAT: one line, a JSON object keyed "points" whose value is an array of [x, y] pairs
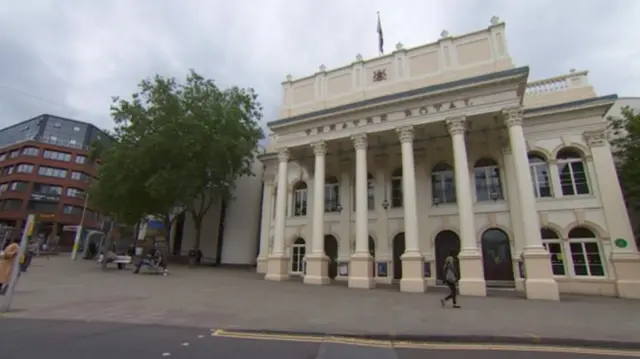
{"points": [[372, 181]]}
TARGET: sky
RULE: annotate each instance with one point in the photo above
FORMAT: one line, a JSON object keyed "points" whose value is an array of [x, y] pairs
{"points": [[69, 57]]}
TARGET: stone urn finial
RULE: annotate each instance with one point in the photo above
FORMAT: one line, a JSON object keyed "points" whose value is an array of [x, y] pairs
{"points": [[399, 46], [495, 20], [444, 34], [358, 57], [323, 68], [289, 77], [572, 70]]}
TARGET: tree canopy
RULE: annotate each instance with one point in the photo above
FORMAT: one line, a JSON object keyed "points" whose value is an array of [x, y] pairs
{"points": [[177, 145], [625, 143]]}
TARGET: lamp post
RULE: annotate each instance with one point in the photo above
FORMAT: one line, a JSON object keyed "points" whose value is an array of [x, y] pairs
{"points": [[76, 241]]}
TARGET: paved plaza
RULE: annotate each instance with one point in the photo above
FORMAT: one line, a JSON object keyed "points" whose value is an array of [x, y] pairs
{"points": [[208, 298]]}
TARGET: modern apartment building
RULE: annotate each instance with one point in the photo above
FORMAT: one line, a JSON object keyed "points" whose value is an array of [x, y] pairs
{"points": [[45, 169]]}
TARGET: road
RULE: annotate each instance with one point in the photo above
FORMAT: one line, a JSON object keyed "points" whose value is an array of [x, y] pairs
{"points": [[27, 339]]}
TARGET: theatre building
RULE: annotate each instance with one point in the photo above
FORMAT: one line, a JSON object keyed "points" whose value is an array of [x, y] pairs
{"points": [[377, 169]]}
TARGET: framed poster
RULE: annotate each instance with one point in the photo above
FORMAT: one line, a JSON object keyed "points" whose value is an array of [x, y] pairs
{"points": [[382, 269], [343, 269], [427, 269]]}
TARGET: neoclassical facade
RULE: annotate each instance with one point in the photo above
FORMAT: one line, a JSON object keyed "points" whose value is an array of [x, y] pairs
{"points": [[377, 170]]}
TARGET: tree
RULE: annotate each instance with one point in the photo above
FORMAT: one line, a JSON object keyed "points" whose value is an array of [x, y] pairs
{"points": [[186, 144], [625, 143]]}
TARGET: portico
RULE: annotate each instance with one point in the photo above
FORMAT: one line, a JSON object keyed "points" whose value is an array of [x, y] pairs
{"points": [[377, 170]]}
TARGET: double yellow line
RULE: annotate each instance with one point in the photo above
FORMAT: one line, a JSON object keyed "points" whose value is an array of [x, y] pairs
{"points": [[422, 345]]}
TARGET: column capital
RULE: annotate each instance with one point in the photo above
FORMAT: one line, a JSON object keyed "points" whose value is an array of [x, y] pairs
{"points": [[456, 125], [359, 141], [596, 138], [319, 148], [405, 133], [283, 155], [513, 116]]}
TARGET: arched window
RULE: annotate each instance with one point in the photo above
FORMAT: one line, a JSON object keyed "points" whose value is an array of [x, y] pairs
{"points": [[553, 244], [298, 251], [487, 175], [585, 253], [300, 199], [331, 194], [371, 205], [540, 175], [396, 188], [443, 189], [573, 174]]}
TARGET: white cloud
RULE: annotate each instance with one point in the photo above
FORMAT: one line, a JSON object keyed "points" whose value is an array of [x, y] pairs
{"points": [[69, 57]]}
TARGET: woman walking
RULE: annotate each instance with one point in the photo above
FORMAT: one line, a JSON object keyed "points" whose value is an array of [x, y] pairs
{"points": [[450, 279]]}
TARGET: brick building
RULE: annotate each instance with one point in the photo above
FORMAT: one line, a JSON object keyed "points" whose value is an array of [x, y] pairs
{"points": [[45, 169]]}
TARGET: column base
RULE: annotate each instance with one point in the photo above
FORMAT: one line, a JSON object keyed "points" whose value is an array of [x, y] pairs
{"points": [[317, 269], [412, 273], [472, 281], [361, 271], [539, 283], [277, 268], [261, 265], [627, 269]]}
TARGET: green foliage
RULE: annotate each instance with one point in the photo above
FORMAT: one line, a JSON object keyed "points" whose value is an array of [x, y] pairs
{"points": [[625, 143], [625, 131], [178, 145]]}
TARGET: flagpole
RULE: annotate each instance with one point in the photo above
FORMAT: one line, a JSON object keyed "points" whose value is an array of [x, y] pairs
{"points": [[380, 37]]}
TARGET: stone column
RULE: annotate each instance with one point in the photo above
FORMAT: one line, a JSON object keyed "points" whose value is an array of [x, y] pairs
{"points": [[624, 254], [278, 265], [471, 268], [412, 260], [514, 214], [317, 261], [539, 281], [361, 267], [265, 225]]}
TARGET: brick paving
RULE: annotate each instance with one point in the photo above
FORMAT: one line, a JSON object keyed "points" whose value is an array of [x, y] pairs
{"points": [[57, 288]]}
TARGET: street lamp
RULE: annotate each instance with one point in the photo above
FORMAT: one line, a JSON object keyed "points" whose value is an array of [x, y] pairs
{"points": [[494, 195], [385, 204], [339, 208], [436, 200], [76, 241]]}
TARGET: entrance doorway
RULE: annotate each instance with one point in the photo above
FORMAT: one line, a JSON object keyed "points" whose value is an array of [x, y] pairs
{"points": [[496, 258], [445, 242], [331, 251], [398, 250]]}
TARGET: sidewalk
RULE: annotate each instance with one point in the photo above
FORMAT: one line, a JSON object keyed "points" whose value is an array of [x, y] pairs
{"points": [[57, 288]]}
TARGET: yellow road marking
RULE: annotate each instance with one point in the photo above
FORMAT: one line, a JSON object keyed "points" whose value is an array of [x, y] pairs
{"points": [[424, 345]]}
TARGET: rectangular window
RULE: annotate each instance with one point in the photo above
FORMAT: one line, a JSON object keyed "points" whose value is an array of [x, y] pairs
{"points": [[72, 210], [586, 259], [58, 156], [557, 260], [80, 176], [19, 186], [7, 171], [75, 192], [3, 157], [30, 151], [4, 187], [24, 168], [11, 204], [81, 159], [14, 154], [52, 172], [49, 189], [42, 207]]}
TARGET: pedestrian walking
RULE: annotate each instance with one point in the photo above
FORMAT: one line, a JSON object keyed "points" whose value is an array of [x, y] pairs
{"points": [[450, 279], [7, 260]]}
